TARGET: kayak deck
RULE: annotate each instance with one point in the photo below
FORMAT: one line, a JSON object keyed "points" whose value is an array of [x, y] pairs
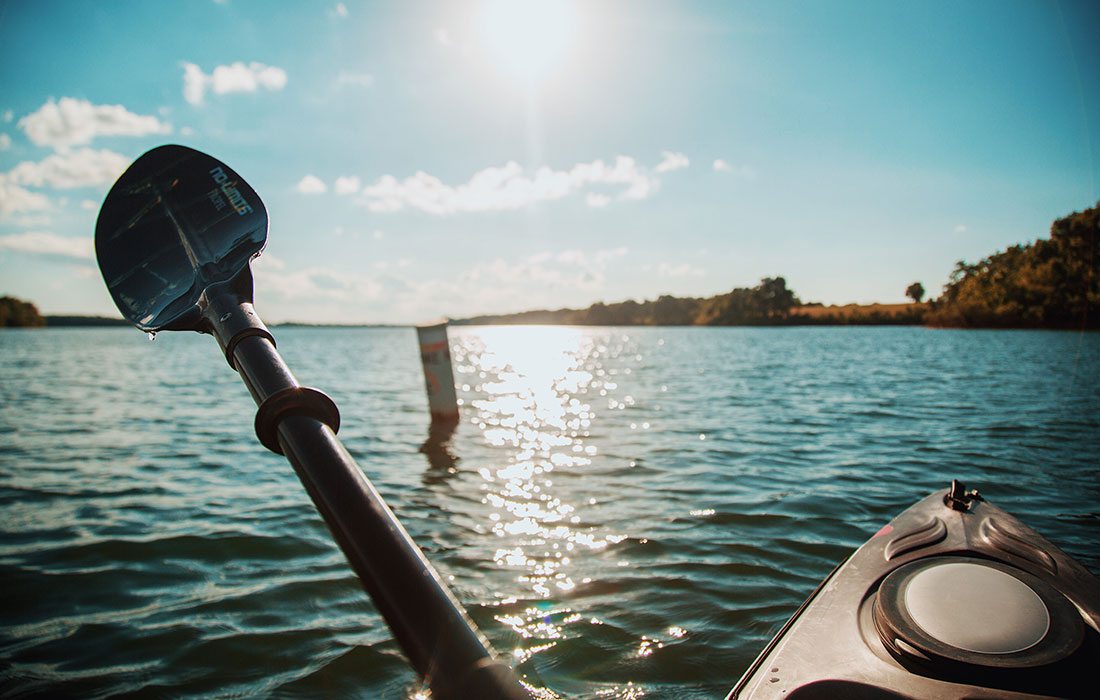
{"points": [[954, 598]]}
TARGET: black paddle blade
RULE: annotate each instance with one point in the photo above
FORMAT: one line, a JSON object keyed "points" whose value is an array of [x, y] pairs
{"points": [[175, 223]]}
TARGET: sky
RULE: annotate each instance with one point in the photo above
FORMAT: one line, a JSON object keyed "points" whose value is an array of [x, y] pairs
{"points": [[458, 158]]}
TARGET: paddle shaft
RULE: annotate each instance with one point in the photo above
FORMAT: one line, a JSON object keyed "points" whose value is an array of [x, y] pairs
{"points": [[433, 630]]}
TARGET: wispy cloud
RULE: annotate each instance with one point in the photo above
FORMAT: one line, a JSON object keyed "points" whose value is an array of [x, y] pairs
{"points": [[49, 244], [341, 10], [15, 199], [398, 290], [35, 220], [5, 142], [311, 184], [235, 77], [960, 228], [510, 187], [75, 122], [317, 284], [67, 169], [597, 200], [679, 270], [742, 171], [672, 161], [347, 185], [566, 269], [400, 263]]}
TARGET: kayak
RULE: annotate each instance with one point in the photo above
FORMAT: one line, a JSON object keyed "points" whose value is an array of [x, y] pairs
{"points": [[953, 598]]}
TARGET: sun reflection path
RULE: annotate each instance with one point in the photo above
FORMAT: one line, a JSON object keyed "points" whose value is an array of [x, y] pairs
{"points": [[534, 388]]}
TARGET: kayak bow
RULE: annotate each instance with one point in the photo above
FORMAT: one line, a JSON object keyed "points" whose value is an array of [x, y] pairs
{"points": [[954, 598]]}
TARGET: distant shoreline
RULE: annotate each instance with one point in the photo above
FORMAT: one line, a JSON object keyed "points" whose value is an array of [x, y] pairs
{"points": [[649, 313], [78, 322], [806, 315]]}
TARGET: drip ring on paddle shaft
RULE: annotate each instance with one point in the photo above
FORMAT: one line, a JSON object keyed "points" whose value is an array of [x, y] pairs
{"points": [[974, 613], [293, 401]]}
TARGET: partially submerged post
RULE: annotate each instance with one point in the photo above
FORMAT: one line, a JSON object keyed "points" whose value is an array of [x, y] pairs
{"points": [[439, 376]]}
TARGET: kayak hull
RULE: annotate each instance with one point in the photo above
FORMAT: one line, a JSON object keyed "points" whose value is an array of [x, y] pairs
{"points": [[953, 598]]}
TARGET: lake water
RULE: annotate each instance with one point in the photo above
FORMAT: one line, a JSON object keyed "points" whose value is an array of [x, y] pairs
{"points": [[625, 512]]}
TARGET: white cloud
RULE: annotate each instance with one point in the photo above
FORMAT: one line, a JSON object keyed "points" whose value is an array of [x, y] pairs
{"points": [[740, 171], [43, 243], [67, 169], [8, 116], [89, 205], [960, 228], [358, 79], [597, 200], [27, 221], [194, 83], [317, 284], [507, 187], [566, 269], [14, 199], [235, 77], [347, 185], [341, 10], [74, 122], [680, 270], [311, 184], [672, 161], [400, 263], [5, 142]]}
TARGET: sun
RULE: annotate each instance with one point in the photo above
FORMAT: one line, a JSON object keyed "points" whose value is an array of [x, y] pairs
{"points": [[527, 39]]}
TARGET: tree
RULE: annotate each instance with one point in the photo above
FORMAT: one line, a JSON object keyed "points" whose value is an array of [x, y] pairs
{"points": [[16, 312], [773, 297], [915, 291], [1051, 283]]}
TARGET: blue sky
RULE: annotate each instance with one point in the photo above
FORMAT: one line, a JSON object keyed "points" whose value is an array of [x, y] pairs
{"points": [[424, 159]]}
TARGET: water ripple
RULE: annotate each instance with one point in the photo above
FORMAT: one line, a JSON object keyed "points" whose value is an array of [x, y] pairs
{"points": [[625, 512]]}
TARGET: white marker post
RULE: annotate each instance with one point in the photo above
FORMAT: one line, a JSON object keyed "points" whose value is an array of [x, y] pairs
{"points": [[439, 377]]}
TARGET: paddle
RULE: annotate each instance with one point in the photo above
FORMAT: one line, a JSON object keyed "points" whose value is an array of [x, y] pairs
{"points": [[174, 240]]}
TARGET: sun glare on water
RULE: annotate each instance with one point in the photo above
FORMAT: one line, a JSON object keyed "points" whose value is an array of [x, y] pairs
{"points": [[527, 39]]}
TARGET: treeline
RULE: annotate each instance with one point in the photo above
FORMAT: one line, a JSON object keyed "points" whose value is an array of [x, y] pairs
{"points": [[1051, 283], [18, 313], [768, 303]]}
